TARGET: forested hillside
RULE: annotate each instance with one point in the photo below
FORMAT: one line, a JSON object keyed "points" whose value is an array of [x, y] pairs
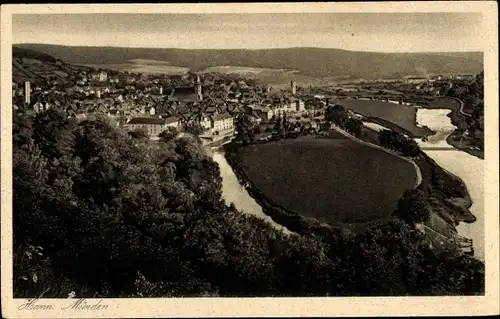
{"points": [[316, 62], [41, 68], [100, 213], [472, 96]]}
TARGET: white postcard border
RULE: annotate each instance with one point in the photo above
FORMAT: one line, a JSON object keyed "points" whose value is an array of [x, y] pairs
{"points": [[253, 307]]}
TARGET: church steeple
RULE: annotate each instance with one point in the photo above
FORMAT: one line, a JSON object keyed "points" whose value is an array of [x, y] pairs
{"points": [[199, 94]]}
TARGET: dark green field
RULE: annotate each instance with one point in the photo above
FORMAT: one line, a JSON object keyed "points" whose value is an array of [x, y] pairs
{"points": [[332, 179], [402, 115]]}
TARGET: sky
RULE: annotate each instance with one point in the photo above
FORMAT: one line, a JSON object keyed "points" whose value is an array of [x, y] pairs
{"points": [[380, 32]]}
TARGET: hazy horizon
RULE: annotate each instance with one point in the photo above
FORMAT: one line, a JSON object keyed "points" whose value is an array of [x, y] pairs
{"points": [[366, 32]]}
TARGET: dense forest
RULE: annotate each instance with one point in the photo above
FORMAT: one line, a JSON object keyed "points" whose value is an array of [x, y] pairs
{"points": [[101, 213]]}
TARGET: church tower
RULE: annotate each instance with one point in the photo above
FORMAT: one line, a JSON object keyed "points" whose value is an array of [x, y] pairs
{"points": [[27, 92], [199, 94]]}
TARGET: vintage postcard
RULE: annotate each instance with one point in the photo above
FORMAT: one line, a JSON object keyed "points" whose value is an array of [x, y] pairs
{"points": [[257, 159]]}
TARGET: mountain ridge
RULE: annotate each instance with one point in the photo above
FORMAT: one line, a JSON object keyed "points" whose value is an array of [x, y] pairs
{"points": [[317, 62], [241, 49]]}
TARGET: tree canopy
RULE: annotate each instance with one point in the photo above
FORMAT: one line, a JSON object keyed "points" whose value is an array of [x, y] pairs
{"points": [[104, 214]]}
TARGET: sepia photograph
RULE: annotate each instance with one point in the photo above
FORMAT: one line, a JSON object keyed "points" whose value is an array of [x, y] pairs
{"points": [[187, 153]]}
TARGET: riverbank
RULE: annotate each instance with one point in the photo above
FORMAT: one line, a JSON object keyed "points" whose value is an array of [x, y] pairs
{"points": [[291, 220], [447, 198], [453, 198], [452, 213], [457, 139], [467, 168], [450, 198], [457, 115], [234, 193]]}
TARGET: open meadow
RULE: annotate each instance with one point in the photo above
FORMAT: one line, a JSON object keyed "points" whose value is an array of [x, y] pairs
{"points": [[332, 179]]}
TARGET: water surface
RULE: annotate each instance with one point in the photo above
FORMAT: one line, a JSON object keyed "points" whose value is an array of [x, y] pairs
{"points": [[469, 168], [233, 192]]}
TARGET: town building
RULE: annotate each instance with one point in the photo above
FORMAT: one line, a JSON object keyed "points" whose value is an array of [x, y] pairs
{"points": [[188, 94], [154, 126], [172, 121], [222, 123], [293, 87], [265, 113], [205, 122], [39, 106], [296, 105], [114, 113], [415, 80], [103, 76], [99, 76]]}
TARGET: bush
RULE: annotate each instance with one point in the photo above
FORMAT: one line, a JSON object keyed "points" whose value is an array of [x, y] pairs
{"points": [[139, 133], [412, 207], [169, 134]]}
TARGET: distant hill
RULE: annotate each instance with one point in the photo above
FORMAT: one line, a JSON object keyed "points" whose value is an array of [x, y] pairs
{"points": [[39, 67], [32, 54], [316, 62]]}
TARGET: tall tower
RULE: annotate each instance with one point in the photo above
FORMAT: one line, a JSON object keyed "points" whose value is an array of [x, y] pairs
{"points": [[27, 92], [103, 76], [199, 94], [293, 86]]}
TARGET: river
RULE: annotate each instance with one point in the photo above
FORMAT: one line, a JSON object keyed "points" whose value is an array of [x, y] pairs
{"points": [[469, 168], [233, 192]]}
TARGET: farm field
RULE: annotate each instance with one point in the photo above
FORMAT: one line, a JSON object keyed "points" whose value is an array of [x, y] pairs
{"points": [[147, 61], [118, 67], [402, 115], [278, 78], [332, 179], [242, 69], [143, 66], [158, 68]]}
